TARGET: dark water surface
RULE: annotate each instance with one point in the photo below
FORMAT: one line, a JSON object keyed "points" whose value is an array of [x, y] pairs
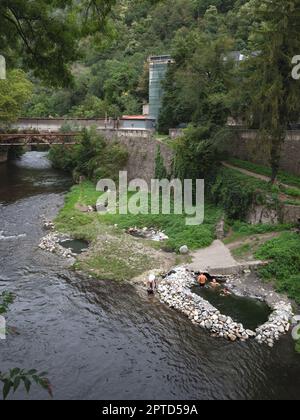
{"points": [[75, 245], [249, 312], [102, 340]]}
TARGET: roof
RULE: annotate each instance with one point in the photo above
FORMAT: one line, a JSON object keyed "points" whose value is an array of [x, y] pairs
{"points": [[136, 117], [53, 119]]}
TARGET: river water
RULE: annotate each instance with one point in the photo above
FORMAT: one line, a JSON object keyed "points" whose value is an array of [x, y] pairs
{"points": [[102, 340]]}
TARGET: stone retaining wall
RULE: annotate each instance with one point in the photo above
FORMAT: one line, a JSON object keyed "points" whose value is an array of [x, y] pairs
{"points": [[247, 145], [142, 153]]}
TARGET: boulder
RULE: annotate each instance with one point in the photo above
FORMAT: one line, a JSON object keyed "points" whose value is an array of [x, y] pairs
{"points": [[184, 250]]}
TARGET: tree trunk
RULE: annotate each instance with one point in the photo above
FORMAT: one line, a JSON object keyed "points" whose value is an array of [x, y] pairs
{"points": [[277, 141]]}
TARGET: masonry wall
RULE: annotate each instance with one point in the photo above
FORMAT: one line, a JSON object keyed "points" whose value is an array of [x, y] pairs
{"points": [[247, 145], [142, 154]]}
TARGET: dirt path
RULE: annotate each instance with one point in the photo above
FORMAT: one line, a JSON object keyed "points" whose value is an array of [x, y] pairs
{"points": [[253, 174], [243, 249], [218, 260]]}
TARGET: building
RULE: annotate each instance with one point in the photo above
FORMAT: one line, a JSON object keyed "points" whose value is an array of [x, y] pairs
{"points": [[137, 122], [158, 66]]}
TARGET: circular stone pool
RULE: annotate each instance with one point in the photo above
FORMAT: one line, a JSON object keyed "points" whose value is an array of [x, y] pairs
{"points": [[75, 245], [247, 311]]}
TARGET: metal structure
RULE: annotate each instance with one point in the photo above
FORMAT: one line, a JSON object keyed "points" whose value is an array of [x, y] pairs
{"points": [[34, 139], [158, 66]]}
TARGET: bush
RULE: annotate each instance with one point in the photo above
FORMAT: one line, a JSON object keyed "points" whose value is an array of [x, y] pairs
{"points": [[196, 155], [284, 268], [236, 193], [160, 169], [92, 157]]}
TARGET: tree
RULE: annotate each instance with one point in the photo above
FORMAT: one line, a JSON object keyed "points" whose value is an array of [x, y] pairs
{"points": [[92, 157], [160, 169], [93, 107], [196, 89], [45, 33], [196, 154], [273, 93], [14, 92]]}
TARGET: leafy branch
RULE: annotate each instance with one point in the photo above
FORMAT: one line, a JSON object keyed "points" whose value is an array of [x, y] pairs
{"points": [[6, 299], [13, 379]]}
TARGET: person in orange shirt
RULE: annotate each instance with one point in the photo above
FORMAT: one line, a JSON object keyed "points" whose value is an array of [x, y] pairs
{"points": [[202, 280]]}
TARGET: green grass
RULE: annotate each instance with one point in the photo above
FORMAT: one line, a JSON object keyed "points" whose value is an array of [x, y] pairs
{"points": [[173, 225], [251, 181], [284, 268], [283, 176], [114, 255], [292, 192], [242, 230]]}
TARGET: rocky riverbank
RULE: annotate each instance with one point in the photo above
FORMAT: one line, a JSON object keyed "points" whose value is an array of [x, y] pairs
{"points": [[175, 291], [52, 243]]}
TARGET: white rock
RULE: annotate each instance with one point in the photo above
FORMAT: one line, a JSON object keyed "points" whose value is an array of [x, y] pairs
{"points": [[184, 250]]}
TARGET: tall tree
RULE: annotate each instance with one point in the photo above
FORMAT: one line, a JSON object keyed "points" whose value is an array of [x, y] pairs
{"points": [[274, 94], [44, 34], [14, 92]]}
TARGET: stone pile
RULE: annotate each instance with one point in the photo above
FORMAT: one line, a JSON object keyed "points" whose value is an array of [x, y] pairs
{"points": [[277, 325], [51, 243], [146, 233], [175, 291], [48, 225]]}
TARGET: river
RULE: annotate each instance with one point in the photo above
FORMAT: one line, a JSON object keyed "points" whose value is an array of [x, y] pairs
{"points": [[102, 340]]}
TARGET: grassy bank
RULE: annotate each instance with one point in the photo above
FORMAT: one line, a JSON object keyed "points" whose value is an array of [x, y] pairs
{"points": [[116, 255], [236, 192], [283, 177], [239, 230], [284, 267]]}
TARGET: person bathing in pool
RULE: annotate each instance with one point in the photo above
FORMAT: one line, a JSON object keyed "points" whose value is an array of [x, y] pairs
{"points": [[214, 284], [202, 280]]}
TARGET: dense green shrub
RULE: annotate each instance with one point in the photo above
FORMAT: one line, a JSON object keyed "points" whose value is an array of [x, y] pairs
{"points": [[236, 193], [196, 155], [284, 268], [160, 169], [92, 157]]}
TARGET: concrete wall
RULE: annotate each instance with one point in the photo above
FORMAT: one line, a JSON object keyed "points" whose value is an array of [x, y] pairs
{"points": [[247, 145], [55, 124]]}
